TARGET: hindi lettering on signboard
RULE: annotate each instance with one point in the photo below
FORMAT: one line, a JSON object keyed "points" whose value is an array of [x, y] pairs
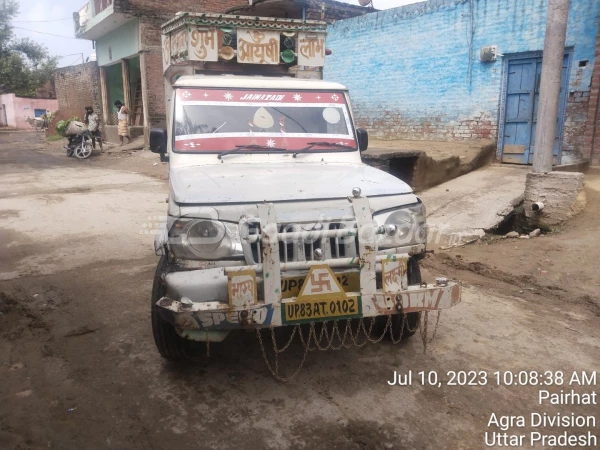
{"points": [[166, 51], [203, 44], [311, 49], [257, 47], [179, 46]]}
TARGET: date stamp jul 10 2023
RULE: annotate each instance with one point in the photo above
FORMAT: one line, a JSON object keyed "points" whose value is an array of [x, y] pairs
{"points": [[512, 427]]}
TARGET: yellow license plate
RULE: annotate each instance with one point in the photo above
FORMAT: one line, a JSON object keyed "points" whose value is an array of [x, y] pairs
{"points": [[314, 310], [290, 287]]}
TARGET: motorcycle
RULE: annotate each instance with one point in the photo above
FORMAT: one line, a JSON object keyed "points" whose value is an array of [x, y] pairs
{"points": [[80, 145]]}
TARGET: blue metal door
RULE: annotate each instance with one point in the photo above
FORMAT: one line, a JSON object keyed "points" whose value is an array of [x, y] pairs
{"points": [[517, 139]]}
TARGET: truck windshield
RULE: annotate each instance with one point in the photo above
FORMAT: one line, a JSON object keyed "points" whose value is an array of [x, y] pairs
{"points": [[212, 120]]}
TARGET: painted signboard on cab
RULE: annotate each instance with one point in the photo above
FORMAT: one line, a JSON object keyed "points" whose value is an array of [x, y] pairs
{"points": [[311, 49], [257, 46], [203, 45]]}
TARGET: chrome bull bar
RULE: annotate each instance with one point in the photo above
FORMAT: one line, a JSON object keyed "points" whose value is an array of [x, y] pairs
{"points": [[315, 234], [270, 238], [334, 263]]}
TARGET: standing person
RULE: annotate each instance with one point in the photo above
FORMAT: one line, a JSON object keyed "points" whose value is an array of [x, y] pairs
{"points": [[123, 116], [93, 123]]}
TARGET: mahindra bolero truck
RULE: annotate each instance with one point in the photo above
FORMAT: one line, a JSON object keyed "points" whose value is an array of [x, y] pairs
{"points": [[273, 219]]}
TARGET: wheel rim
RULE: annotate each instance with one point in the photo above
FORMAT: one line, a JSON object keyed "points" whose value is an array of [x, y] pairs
{"points": [[84, 151]]}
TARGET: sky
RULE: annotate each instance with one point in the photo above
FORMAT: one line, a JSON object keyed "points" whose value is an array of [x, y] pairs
{"points": [[35, 15], [43, 16]]}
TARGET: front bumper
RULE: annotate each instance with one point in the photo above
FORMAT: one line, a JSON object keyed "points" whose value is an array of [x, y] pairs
{"points": [[215, 315], [215, 299]]}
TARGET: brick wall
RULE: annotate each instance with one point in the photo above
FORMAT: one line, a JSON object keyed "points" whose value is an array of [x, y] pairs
{"points": [[414, 72], [76, 88], [333, 10], [592, 131], [165, 9], [150, 44], [575, 125], [48, 90]]}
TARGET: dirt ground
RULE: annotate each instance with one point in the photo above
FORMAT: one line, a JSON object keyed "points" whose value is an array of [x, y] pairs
{"points": [[79, 369]]}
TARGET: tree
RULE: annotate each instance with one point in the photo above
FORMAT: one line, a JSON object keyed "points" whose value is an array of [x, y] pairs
{"points": [[24, 64]]}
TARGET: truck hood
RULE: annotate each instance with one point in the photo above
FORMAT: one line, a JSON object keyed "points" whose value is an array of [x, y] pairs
{"points": [[251, 183]]}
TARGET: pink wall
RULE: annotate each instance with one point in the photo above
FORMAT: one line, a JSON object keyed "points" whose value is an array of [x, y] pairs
{"points": [[7, 110], [18, 109]]}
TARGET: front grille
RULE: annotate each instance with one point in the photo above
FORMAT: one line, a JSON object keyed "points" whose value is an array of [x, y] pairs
{"points": [[332, 248]]}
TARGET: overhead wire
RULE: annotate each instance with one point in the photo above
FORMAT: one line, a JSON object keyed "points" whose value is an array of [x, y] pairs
{"points": [[79, 55], [40, 21], [66, 56], [42, 32], [76, 60]]}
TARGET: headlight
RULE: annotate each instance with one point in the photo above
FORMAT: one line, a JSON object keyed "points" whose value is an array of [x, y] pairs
{"points": [[404, 226], [204, 239], [204, 236]]}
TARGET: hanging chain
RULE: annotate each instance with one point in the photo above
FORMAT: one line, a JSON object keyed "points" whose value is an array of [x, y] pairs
{"points": [[334, 339], [423, 329], [275, 371], [207, 345]]}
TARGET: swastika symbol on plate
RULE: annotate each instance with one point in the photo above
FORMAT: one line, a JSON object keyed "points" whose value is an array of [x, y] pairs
{"points": [[320, 281]]}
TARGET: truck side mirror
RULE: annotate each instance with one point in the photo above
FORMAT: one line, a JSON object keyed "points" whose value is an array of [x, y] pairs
{"points": [[363, 139], [158, 141]]}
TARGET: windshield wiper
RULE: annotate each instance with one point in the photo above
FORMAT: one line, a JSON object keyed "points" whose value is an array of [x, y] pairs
{"points": [[250, 147], [324, 144]]}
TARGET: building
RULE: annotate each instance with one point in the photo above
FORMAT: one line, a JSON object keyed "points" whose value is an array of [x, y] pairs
{"points": [[16, 111], [76, 87], [591, 147], [127, 38], [468, 70], [48, 90]]}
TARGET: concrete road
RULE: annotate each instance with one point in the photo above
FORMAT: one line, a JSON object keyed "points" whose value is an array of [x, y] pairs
{"points": [[463, 209], [78, 366]]}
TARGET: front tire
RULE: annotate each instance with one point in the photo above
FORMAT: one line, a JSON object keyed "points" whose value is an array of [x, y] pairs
{"points": [[170, 345]]}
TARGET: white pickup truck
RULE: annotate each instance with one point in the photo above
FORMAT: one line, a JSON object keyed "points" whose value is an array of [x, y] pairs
{"points": [[273, 219]]}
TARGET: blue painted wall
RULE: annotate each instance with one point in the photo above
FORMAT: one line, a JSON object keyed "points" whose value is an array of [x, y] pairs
{"points": [[414, 72]]}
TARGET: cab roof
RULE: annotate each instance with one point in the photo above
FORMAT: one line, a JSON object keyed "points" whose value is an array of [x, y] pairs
{"points": [[255, 82]]}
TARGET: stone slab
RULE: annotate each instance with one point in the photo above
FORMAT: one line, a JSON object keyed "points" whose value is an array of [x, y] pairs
{"points": [[463, 209]]}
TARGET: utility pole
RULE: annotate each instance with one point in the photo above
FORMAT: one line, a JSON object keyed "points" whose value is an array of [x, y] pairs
{"points": [[554, 50]]}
